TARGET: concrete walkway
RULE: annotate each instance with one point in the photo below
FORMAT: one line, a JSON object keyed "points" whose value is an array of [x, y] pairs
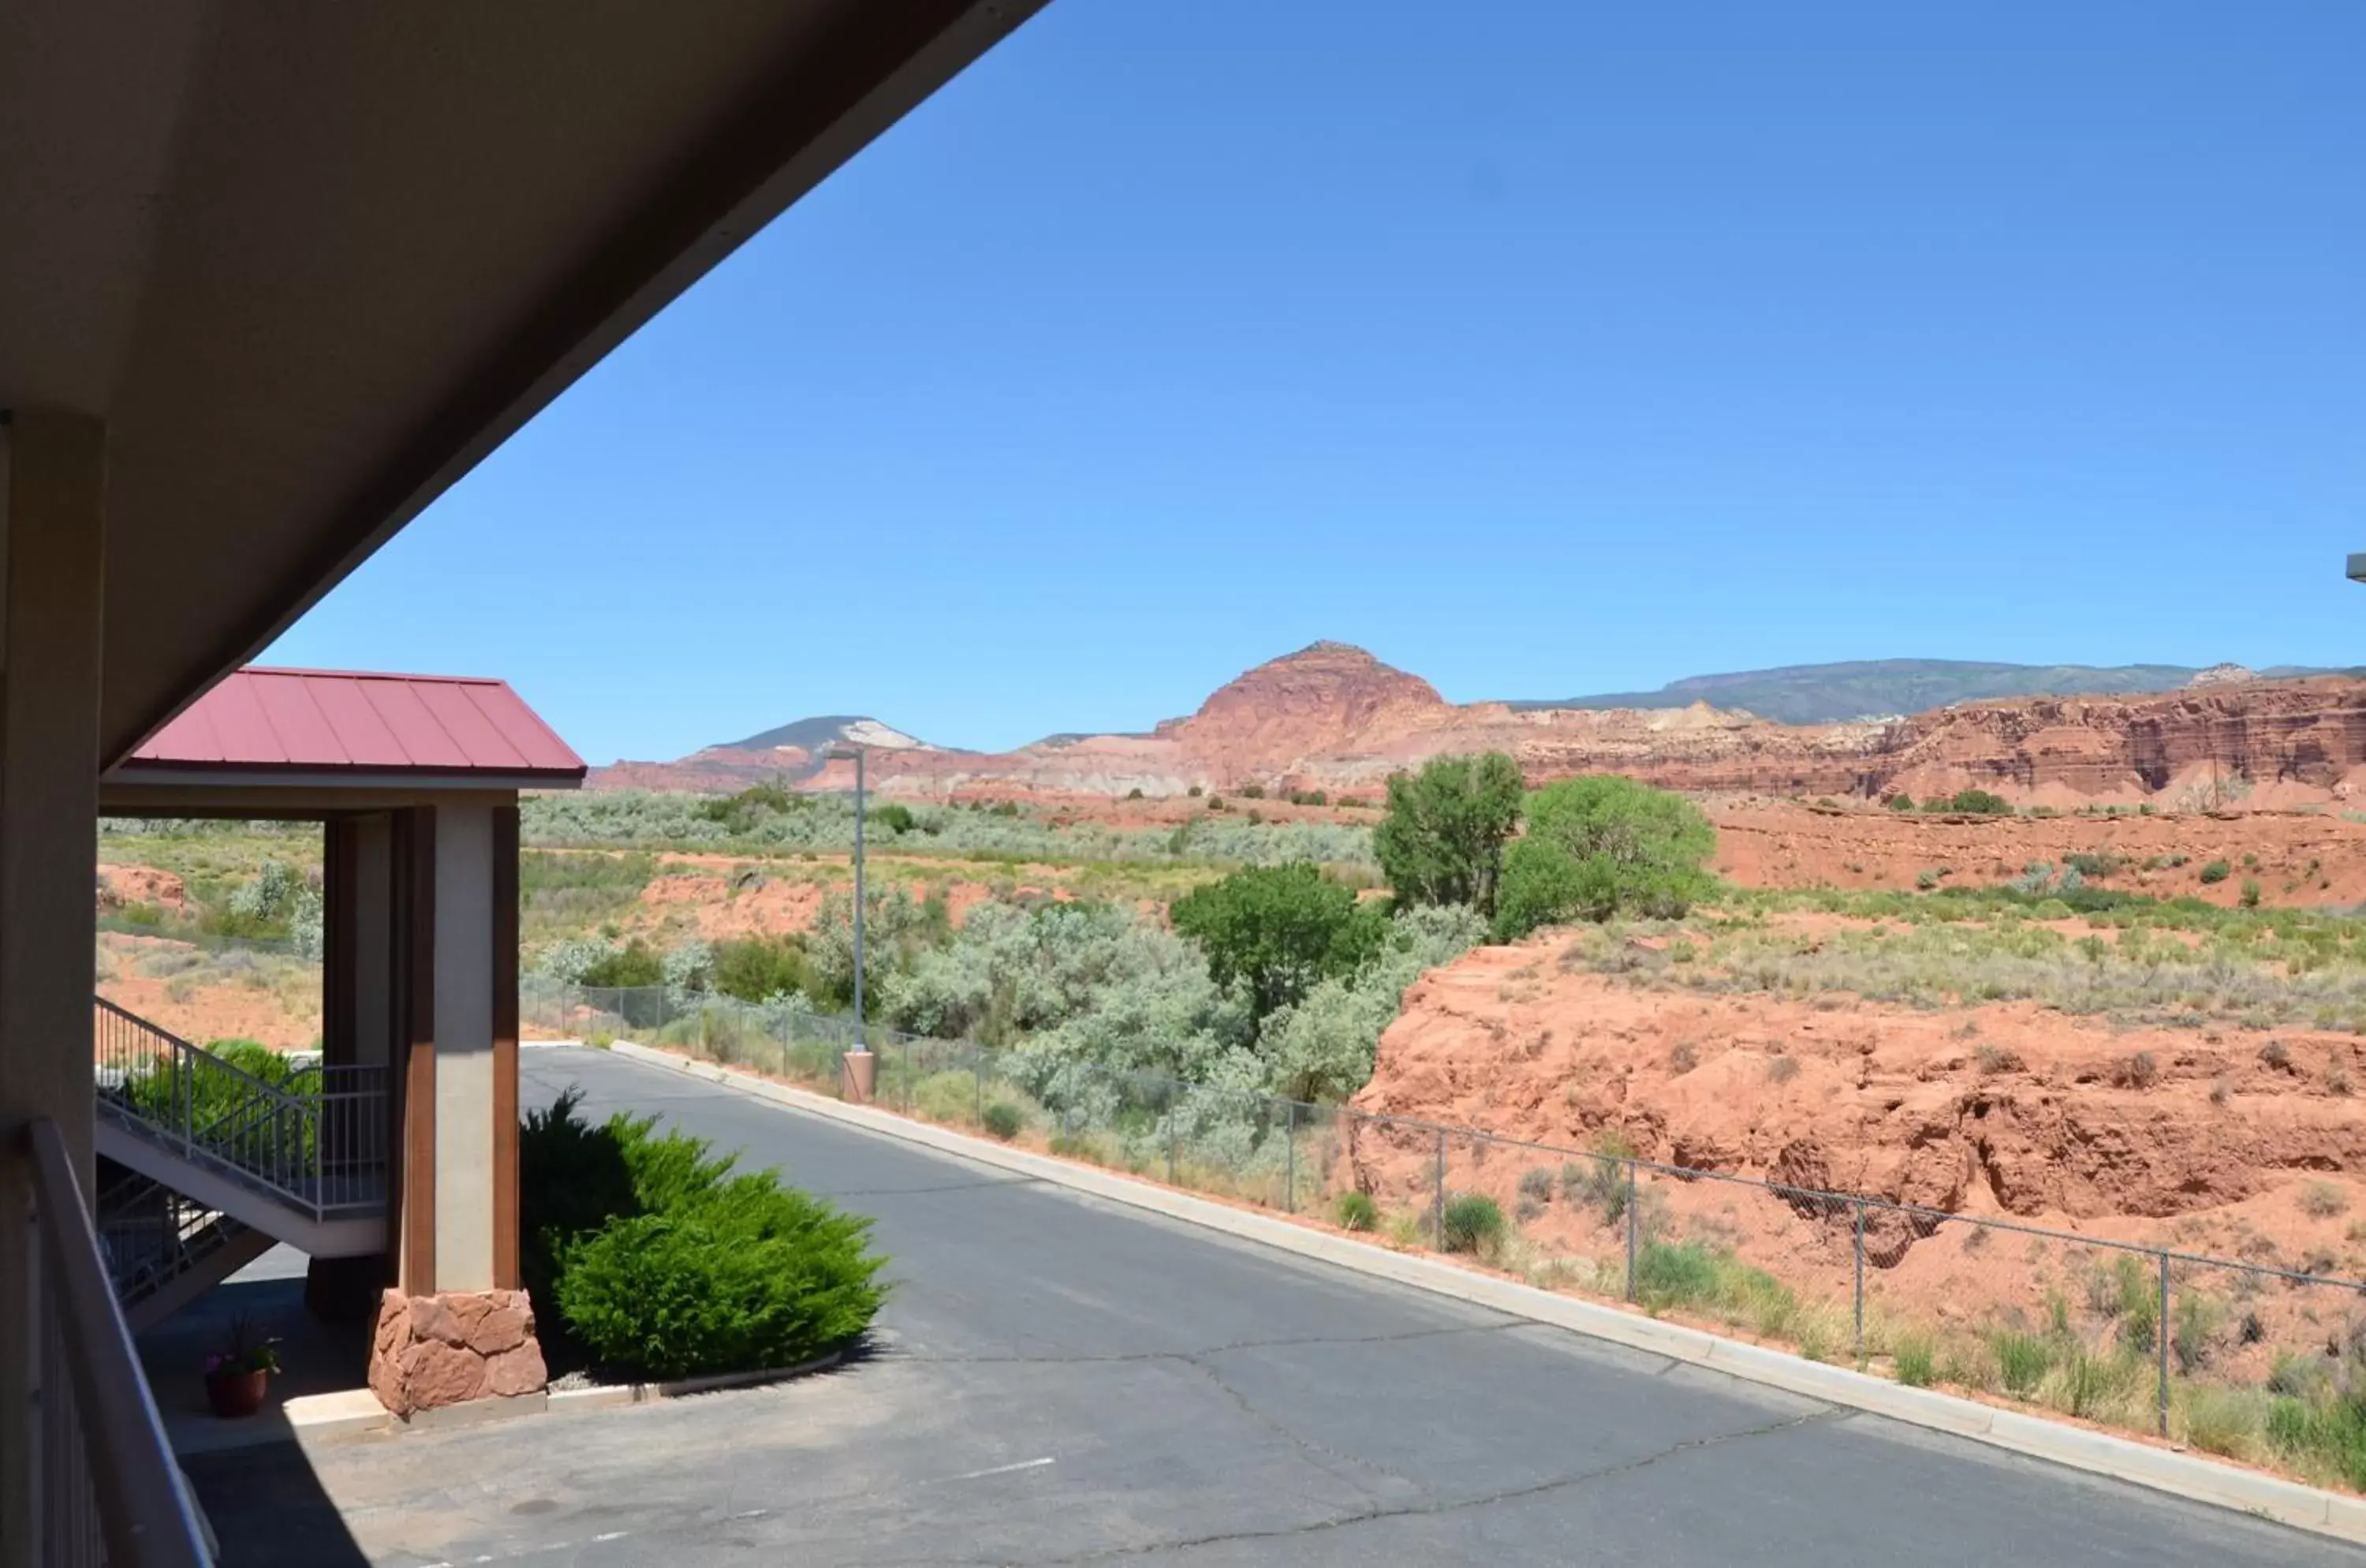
{"points": [[1062, 1382]]}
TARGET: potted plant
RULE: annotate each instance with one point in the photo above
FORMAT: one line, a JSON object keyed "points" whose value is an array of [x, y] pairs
{"points": [[239, 1374]]}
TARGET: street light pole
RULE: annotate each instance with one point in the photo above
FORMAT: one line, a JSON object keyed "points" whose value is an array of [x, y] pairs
{"points": [[861, 1070], [861, 1039]]}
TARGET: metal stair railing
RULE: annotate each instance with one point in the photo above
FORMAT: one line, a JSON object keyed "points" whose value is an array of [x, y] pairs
{"points": [[109, 1491], [151, 1235], [317, 1143]]}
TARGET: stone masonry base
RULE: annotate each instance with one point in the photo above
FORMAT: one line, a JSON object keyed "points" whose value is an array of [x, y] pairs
{"points": [[450, 1348]]}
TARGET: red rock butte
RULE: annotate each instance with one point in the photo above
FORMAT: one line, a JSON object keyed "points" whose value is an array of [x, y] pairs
{"points": [[1332, 716]]}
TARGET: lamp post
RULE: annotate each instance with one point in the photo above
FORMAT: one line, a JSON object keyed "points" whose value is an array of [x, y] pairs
{"points": [[860, 1068]]}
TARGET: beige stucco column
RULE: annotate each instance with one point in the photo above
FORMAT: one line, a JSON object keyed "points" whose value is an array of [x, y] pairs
{"points": [[450, 1330], [52, 492]]}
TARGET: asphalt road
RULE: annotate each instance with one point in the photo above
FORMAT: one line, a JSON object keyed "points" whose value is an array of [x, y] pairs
{"points": [[1063, 1382]]}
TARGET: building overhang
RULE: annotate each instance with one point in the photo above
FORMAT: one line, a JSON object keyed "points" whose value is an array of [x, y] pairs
{"points": [[310, 264]]}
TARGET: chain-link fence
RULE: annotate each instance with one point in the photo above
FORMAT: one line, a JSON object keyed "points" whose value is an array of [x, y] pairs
{"points": [[2260, 1359]]}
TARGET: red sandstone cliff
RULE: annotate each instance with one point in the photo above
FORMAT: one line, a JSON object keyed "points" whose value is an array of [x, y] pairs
{"points": [[1334, 718]]}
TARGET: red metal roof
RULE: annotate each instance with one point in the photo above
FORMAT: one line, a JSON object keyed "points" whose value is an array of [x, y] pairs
{"points": [[351, 721]]}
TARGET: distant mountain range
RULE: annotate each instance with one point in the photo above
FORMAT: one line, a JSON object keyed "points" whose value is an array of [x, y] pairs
{"points": [[1880, 688], [827, 730], [1334, 718]]}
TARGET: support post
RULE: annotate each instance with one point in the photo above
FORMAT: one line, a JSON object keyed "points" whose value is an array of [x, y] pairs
{"points": [[1633, 1227], [1859, 1207], [1437, 1196], [1289, 1155], [52, 552], [2161, 1343]]}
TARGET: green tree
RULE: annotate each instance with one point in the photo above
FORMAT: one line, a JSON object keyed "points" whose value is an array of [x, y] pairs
{"points": [[633, 967], [1602, 845], [1278, 930], [757, 968], [1442, 842]]}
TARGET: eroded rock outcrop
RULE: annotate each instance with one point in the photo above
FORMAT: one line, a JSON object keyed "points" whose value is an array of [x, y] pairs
{"points": [[1334, 718]]}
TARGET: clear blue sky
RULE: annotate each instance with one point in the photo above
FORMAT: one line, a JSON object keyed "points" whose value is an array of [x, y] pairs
{"points": [[1540, 348]]}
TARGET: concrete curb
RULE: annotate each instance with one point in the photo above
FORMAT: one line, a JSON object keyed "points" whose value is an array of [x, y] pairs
{"points": [[604, 1397], [355, 1411], [2162, 1470]]}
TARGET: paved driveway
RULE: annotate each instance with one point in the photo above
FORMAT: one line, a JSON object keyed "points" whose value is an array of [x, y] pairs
{"points": [[1063, 1382]]}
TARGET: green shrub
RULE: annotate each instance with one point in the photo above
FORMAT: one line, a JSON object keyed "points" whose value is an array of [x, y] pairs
{"points": [[1253, 792], [646, 1254], [1901, 800], [1134, 794], [1603, 845], [2023, 1362], [1976, 802], [1537, 1184], [1276, 930], [1917, 1361], [2216, 871], [1356, 1211], [2250, 895], [1473, 1223], [2228, 1422], [757, 1276], [757, 968], [1603, 1180], [1442, 841], [635, 965], [1002, 1120], [1676, 1274], [892, 815]]}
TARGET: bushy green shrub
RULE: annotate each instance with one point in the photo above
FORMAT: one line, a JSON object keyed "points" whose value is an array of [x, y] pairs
{"points": [[1976, 802], [1473, 1223], [2216, 871], [1002, 1120], [1356, 1211], [757, 968], [2250, 895], [1901, 800], [636, 964], [752, 1276], [650, 1256], [1603, 845], [1672, 1273]]}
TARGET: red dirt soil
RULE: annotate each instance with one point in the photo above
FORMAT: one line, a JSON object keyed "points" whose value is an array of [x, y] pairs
{"points": [[2007, 1110]]}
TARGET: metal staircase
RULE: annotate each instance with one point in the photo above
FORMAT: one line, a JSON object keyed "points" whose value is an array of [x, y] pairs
{"points": [[229, 1161], [162, 1249]]}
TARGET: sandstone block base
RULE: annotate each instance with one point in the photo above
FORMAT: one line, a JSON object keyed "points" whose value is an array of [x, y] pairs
{"points": [[453, 1348]]}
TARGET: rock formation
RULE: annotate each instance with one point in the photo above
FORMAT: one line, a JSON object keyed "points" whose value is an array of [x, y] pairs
{"points": [[1334, 718]]}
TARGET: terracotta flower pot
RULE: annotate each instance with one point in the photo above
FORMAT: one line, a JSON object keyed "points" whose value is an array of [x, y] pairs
{"points": [[233, 1391]]}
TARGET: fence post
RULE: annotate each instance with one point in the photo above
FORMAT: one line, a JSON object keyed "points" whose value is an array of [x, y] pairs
{"points": [[1634, 1222], [977, 1086], [2160, 1342], [1174, 1137], [1438, 1195], [1289, 1149], [1859, 1207]]}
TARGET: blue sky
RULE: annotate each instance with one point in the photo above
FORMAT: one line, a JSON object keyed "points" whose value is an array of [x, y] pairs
{"points": [[1542, 349]]}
